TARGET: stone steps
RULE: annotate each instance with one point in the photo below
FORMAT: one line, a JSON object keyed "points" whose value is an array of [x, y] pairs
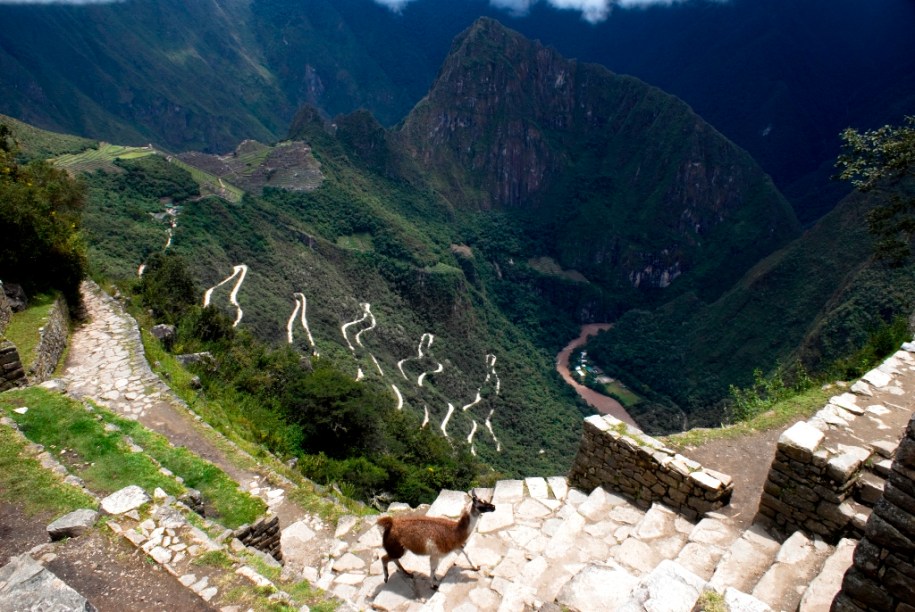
{"points": [[547, 543]]}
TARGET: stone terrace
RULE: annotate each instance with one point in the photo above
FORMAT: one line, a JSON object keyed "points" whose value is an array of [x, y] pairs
{"points": [[547, 544]]}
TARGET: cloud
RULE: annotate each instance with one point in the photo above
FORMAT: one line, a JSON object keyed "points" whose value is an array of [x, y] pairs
{"points": [[593, 11], [394, 5]]}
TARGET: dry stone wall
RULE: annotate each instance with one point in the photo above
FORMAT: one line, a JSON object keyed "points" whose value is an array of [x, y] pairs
{"points": [[883, 574], [52, 343], [620, 458], [264, 535], [811, 488], [11, 372], [6, 311]]}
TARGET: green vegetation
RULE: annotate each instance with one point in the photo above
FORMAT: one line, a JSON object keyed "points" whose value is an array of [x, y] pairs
{"points": [[40, 144], [710, 601], [778, 414], [80, 441], [100, 454], [101, 158], [877, 160], [24, 482], [23, 328], [42, 207]]}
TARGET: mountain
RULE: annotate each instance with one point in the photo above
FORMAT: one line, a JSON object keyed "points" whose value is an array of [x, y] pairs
{"points": [[586, 160], [779, 78], [446, 279], [823, 302]]}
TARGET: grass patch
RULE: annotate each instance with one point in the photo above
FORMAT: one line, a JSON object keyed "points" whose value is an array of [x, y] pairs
{"points": [[230, 420], [23, 327], [214, 558], [24, 482], [356, 242], [710, 601], [232, 506], [802, 405], [621, 393], [100, 158], [78, 438]]}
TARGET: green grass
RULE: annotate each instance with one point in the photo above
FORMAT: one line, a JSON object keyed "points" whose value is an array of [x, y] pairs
{"points": [[106, 463], [232, 506], [24, 482], [710, 601], [210, 183], [622, 394], [100, 158], [102, 459], [356, 242], [232, 421], [802, 405], [37, 143], [23, 327]]}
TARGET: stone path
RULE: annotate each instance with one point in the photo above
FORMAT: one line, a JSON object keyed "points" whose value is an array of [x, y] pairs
{"points": [[106, 363], [549, 544]]}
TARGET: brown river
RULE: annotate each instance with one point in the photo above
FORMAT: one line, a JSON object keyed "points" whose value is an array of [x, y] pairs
{"points": [[602, 403]]}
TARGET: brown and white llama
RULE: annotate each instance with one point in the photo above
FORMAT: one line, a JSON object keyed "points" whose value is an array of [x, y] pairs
{"points": [[426, 535]]}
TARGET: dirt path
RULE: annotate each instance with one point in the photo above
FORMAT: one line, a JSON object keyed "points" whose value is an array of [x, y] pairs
{"points": [[111, 574], [602, 403], [106, 363]]}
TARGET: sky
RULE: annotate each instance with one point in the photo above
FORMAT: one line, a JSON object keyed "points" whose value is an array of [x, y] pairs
{"points": [[593, 11]]}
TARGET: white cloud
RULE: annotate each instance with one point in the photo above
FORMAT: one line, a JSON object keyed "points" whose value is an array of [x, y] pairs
{"points": [[394, 5], [593, 11]]}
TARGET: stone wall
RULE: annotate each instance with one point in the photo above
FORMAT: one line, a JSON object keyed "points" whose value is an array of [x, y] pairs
{"points": [[264, 535], [883, 574], [52, 343], [811, 487], [6, 311], [11, 372], [619, 458]]}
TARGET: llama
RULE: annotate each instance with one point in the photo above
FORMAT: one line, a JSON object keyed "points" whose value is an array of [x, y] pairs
{"points": [[425, 535]]}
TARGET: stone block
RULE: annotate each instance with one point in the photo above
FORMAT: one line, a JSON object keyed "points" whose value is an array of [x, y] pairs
{"points": [[125, 500], [842, 467], [864, 590], [800, 441], [73, 524]]}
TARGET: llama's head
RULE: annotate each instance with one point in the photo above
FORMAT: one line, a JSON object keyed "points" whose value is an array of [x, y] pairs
{"points": [[478, 506]]}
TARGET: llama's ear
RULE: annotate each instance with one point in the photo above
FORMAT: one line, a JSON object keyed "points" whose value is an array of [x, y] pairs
{"points": [[473, 495]]}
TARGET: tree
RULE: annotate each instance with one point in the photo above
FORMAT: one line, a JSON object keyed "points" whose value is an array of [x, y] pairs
{"points": [[40, 215], [884, 160]]}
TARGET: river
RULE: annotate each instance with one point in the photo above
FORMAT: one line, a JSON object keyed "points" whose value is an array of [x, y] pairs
{"points": [[600, 402]]}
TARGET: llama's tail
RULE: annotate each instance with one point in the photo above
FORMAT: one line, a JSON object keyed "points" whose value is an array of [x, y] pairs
{"points": [[385, 523]]}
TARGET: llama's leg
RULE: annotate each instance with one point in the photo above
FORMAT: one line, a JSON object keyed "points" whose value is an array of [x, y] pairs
{"points": [[433, 565], [400, 567], [474, 567]]}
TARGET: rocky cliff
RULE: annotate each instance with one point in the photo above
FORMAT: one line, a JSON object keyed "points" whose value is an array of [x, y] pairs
{"points": [[591, 160]]}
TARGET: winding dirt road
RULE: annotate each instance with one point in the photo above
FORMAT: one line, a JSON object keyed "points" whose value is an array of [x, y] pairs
{"points": [[602, 403]]}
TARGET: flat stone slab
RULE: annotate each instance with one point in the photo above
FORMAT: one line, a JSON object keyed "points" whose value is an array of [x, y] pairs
{"points": [[537, 487], [802, 437], [26, 585], [73, 524], [450, 504], [559, 486], [609, 586], [668, 587], [508, 492], [295, 541], [824, 588], [125, 500]]}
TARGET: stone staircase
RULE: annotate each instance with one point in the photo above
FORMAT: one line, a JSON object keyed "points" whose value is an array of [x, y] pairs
{"points": [[549, 546]]}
